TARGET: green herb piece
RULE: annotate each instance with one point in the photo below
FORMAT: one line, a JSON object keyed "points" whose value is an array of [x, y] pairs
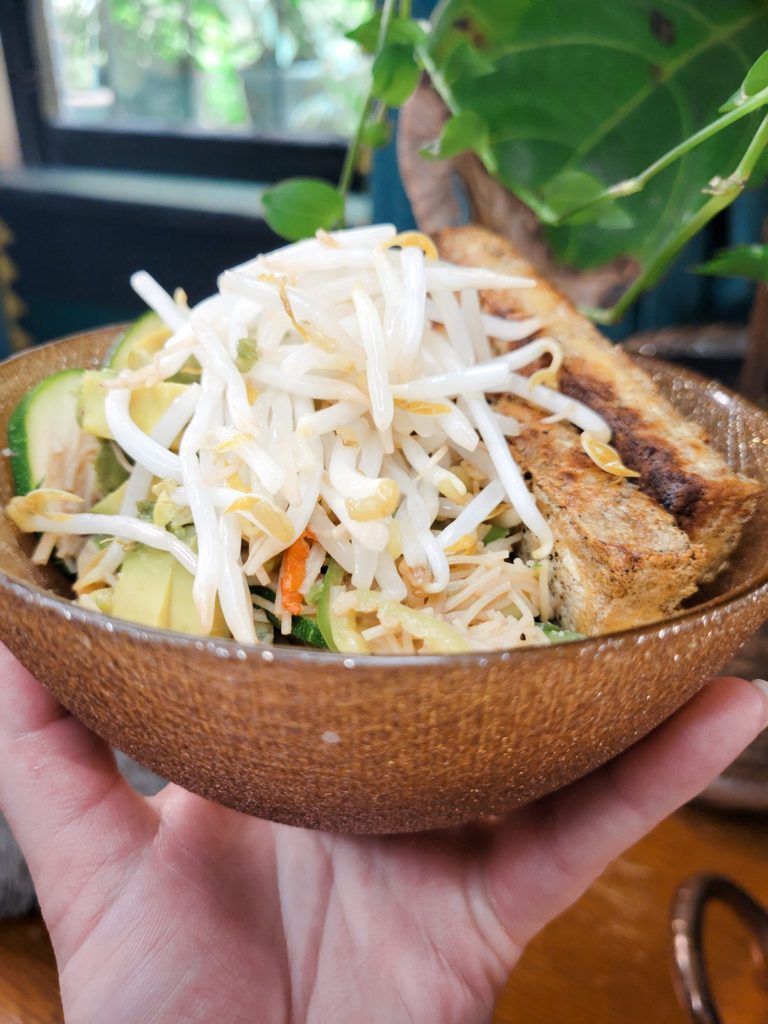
{"points": [[187, 534], [110, 473], [495, 533], [246, 354], [189, 373], [145, 510], [303, 628], [557, 635], [299, 207]]}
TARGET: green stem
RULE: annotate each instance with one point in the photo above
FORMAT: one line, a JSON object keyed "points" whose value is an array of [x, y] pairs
{"points": [[353, 149], [731, 188], [438, 81], [405, 9], [638, 182], [641, 180]]}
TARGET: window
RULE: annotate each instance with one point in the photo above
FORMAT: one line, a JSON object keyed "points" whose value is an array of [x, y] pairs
{"points": [[253, 89]]}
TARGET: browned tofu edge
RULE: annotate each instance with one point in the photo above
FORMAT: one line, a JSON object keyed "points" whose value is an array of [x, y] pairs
{"points": [[619, 560], [711, 506]]}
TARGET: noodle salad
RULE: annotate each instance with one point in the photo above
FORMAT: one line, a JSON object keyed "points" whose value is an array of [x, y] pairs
{"points": [[311, 454]]}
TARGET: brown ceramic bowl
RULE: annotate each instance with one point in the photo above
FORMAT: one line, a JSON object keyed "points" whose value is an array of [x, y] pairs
{"points": [[376, 744]]}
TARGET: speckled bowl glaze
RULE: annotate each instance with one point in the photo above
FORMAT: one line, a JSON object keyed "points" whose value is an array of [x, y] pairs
{"points": [[376, 744]]}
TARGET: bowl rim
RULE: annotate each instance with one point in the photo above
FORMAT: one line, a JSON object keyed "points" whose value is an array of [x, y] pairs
{"points": [[288, 655]]}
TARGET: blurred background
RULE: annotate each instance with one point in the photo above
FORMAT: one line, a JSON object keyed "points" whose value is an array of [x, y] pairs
{"points": [[140, 133]]}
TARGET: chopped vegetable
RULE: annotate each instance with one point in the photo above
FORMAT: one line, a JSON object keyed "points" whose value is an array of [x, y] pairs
{"points": [[303, 628], [557, 635], [292, 574], [110, 471], [246, 354], [437, 634], [495, 533], [334, 576], [42, 426], [138, 344], [145, 510]]}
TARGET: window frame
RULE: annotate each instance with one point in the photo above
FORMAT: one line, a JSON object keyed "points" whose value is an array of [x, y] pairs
{"points": [[263, 157]]}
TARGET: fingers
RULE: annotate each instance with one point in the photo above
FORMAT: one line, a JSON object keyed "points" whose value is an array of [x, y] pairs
{"points": [[70, 809], [545, 856]]}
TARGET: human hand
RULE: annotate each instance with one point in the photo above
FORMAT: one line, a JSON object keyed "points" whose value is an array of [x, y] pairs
{"points": [[176, 910]]}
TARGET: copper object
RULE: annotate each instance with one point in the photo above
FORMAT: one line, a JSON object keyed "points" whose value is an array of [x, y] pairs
{"points": [[687, 925], [377, 744]]}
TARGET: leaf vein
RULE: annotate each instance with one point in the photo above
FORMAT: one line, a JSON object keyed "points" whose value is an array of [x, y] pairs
{"points": [[607, 126]]}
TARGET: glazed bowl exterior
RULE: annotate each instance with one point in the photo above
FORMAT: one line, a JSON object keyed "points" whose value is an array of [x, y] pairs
{"points": [[376, 744]]}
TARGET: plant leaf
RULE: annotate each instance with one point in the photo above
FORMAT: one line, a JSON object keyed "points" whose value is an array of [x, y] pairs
{"points": [[605, 89], [757, 76], [754, 82], [462, 132], [750, 261], [377, 134], [395, 74], [460, 58], [565, 194], [401, 30], [298, 207], [568, 191]]}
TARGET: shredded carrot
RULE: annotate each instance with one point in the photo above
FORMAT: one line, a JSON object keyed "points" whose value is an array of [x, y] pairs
{"points": [[292, 573]]}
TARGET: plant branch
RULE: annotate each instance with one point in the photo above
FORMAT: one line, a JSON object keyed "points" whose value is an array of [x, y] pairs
{"points": [[637, 183], [353, 150], [731, 117], [725, 190]]}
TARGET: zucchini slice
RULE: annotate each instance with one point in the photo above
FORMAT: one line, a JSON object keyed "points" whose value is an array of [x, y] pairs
{"points": [[44, 421], [139, 342], [303, 628], [557, 635]]}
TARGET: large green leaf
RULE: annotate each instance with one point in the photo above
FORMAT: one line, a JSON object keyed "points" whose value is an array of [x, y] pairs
{"points": [[592, 92]]}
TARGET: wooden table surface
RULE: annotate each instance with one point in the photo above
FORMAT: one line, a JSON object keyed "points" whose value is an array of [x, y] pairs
{"points": [[606, 961]]}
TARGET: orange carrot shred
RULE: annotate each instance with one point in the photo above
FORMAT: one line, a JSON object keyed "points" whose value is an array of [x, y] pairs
{"points": [[292, 573]]}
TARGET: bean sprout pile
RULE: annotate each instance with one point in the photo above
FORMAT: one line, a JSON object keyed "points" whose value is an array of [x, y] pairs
{"points": [[334, 455]]}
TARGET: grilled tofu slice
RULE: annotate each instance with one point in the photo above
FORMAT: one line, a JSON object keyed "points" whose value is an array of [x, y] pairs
{"points": [[676, 466], [619, 560]]}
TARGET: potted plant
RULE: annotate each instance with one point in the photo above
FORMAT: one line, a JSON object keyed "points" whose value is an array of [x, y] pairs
{"points": [[601, 138]]}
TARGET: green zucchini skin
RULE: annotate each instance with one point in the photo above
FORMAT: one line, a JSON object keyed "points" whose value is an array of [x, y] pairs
{"points": [[145, 326], [557, 635], [303, 629], [59, 393]]}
